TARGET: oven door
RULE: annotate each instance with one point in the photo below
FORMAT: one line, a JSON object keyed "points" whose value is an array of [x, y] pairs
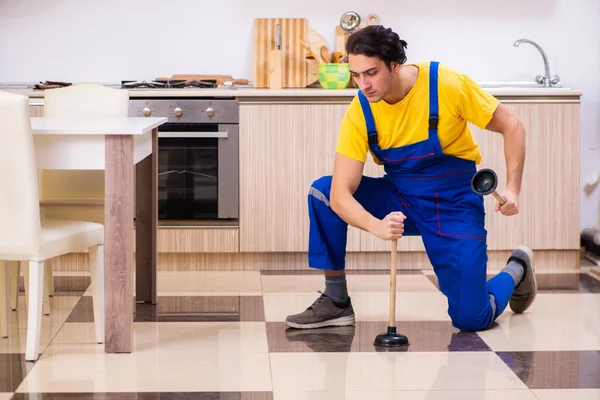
{"points": [[198, 171]]}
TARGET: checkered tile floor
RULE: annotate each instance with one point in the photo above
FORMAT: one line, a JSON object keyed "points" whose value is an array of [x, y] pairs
{"points": [[220, 335]]}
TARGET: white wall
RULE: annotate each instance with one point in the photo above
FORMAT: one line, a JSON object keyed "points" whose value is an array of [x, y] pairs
{"points": [[111, 40]]}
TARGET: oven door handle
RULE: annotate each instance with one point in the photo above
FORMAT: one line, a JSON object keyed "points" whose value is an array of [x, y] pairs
{"points": [[169, 134]]}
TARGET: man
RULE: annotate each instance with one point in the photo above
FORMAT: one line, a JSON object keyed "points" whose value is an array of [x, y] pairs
{"points": [[412, 118]]}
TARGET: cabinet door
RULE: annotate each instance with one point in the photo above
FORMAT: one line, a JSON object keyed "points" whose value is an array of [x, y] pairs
{"points": [[36, 110], [549, 200], [283, 149]]}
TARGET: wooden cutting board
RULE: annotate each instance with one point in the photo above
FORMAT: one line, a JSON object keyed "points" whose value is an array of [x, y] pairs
{"points": [[315, 40], [294, 60]]}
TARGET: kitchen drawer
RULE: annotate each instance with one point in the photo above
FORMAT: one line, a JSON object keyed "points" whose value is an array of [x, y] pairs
{"points": [[198, 240]]}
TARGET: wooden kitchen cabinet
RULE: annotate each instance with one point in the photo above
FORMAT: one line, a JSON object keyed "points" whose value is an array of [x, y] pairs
{"points": [[36, 110], [197, 240], [286, 143], [283, 149], [549, 200]]}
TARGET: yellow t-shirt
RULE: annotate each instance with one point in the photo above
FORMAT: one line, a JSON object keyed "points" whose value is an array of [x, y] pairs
{"points": [[460, 100]]}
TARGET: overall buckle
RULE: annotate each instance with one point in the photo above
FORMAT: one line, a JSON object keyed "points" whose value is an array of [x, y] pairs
{"points": [[433, 121]]}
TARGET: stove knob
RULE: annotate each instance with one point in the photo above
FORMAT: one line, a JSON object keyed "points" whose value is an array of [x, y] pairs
{"points": [[210, 112], [178, 112], [146, 111]]}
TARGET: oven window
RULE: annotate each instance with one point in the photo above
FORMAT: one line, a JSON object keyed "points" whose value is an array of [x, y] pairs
{"points": [[187, 178]]}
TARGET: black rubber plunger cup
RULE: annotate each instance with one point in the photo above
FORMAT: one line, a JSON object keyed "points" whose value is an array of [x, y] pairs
{"points": [[392, 339], [484, 182]]}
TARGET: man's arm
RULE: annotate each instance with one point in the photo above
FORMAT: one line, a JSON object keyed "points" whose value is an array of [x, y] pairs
{"points": [[347, 175], [511, 128]]}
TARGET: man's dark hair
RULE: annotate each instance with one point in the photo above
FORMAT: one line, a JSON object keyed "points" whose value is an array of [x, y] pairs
{"points": [[377, 41]]}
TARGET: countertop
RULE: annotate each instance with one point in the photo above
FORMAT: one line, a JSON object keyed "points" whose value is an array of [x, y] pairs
{"points": [[312, 92]]}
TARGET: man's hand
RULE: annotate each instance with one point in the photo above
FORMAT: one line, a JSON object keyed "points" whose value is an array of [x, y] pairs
{"points": [[391, 227], [511, 207]]}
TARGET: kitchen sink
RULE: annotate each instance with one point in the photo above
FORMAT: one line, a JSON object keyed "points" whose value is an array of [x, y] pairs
{"points": [[516, 85]]}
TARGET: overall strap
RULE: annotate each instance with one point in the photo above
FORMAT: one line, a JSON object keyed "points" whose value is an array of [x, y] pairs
{"points": [[366, 109], [433, 97]]}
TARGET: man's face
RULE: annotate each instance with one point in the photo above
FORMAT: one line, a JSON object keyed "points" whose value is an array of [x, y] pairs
{"points": [[371, 75]]}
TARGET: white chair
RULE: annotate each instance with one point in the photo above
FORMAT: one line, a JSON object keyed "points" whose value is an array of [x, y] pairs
{"points": [[25, 235], [82, 100]]}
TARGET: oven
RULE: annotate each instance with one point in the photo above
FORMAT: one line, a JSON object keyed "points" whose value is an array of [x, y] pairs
{"points": [[198, 157]]}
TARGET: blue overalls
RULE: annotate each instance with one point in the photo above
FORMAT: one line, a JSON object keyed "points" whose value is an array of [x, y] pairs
{"points": [[433, 190]]}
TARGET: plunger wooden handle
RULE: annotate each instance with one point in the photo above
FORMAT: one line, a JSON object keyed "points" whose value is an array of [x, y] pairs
{"points": [[499, 198], [393, 283]]}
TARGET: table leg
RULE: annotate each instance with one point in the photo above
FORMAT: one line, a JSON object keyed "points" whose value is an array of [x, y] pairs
{"points": [[118, 244], [146, 225]]}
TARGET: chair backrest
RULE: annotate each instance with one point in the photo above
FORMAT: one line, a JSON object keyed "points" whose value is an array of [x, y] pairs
{"points": [[86, 100], [82, 100], [20, 231]]}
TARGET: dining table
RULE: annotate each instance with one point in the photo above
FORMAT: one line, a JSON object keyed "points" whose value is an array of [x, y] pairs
{"points": [[127, 150]]}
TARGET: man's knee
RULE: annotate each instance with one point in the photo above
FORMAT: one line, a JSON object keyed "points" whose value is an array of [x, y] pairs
{"points": [[323, 184], [320, 189], [472, 319]]}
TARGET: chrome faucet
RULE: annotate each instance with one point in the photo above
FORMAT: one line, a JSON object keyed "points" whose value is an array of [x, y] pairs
{"points": [[546, 80]]}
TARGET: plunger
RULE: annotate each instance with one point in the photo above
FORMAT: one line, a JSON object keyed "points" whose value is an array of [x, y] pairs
{"points": [[484, 182], [392, 338]]}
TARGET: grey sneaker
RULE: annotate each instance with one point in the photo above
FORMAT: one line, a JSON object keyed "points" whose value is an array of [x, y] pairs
{"points": [[526, 289], [323, 312]]}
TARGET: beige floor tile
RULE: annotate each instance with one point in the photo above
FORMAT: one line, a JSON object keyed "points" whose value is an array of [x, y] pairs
{"points": [[410, 306], [6, 396], [245, 337], [567, 394], [356, 283], [17, 341], [554, 322], [206, 283], [198, 282], [60, 308], [409, 395], [167, 357], [391, 371]]}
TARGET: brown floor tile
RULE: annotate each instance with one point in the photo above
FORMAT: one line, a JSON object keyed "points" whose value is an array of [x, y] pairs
{"points": [[567, 283], [13, 369], [83, 311], [148, 396], [186, 309], [202, 308], [555, 369], [348, 272], [423, 336]]}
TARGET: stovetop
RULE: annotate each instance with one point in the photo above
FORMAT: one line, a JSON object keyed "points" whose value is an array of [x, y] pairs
{"points": [[169, 84]]}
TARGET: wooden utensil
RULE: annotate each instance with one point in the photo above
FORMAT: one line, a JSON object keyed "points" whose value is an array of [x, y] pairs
{"points": [[316, 40], [326, 55], [341, 37], [276, 62], [338, 57], [372, 19], [308, 48]]}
